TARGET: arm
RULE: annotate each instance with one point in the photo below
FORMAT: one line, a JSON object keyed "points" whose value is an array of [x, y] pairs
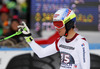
{"points": [[84, 56], [41, 52]]}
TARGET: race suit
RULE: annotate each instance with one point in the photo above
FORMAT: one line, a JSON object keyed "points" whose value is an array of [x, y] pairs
{"points": [[74, 52]]}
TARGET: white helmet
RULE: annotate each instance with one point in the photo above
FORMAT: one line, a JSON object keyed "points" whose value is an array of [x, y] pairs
{"points": [[64, 17]]}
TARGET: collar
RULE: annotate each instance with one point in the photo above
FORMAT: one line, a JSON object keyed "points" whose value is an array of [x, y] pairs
{"points": [[69, 40]]}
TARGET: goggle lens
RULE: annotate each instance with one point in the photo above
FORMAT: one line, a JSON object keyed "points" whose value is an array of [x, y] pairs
{"points": [[58, 24]]}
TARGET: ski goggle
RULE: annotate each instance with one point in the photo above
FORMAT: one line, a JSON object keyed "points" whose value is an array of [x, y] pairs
{"points": [[58, 24]]}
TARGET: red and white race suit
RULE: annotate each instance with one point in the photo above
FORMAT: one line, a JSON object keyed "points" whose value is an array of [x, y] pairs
{"points": [[74, 52]]}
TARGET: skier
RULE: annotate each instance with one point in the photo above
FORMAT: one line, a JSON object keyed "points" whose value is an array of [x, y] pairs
{"points": [[73, 48]]}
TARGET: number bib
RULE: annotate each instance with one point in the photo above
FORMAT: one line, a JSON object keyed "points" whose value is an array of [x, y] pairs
{"points": [[67, 61]]}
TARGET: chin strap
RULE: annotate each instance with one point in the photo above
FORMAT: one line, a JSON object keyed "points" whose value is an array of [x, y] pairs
{"points": [[66, 33], [69, 25]]}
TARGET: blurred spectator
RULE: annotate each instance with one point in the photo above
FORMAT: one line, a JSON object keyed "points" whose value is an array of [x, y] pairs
{"points": [[13, 29], [38, 29], [4, 19]]}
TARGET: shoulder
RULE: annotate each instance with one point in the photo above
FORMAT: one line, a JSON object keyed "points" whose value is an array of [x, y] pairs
{"points": [[57, 40], [79, 37], [82, 43], [81, 40], [60, 40], [56, 43]]}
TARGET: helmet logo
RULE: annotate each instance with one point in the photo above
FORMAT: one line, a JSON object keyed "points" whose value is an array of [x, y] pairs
{"points": [[56, 15], [69, 12]]}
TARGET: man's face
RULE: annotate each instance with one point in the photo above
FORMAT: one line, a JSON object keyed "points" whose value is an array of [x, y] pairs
{"points": [[4, 17], [61, 31], [14, 25]]}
